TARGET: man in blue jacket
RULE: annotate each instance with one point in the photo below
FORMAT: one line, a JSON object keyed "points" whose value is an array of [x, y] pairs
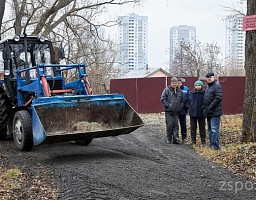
{"points": [[184, 110], [212, 105]]}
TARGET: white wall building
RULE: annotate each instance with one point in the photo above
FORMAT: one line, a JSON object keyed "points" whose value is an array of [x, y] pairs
{"points": [[178, 36], [133, 42], [234, 41]]}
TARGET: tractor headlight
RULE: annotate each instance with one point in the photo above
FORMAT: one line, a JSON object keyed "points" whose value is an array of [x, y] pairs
{"points": [[16, 38], [42, 38], [6, 72]]}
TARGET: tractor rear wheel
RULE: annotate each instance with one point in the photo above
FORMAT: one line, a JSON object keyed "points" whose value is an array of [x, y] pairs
{"points": [[22, 130], [3, 116]]}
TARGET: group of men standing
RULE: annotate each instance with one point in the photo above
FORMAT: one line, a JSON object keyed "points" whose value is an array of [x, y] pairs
{"points": [[201, 104]]}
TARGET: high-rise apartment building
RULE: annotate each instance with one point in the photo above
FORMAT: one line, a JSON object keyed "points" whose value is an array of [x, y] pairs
{"points": [[133, 42], [234, 41], [180, 35]]}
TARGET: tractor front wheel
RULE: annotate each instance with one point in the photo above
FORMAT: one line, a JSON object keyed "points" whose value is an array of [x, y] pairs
{"points": [[3, 116], [22, 130]]}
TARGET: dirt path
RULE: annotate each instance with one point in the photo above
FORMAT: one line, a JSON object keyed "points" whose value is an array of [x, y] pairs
{"points": [[135, 166]]}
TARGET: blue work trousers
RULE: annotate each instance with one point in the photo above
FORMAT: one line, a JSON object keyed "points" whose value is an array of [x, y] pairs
{"points": [[214, 132], [183, 126]]}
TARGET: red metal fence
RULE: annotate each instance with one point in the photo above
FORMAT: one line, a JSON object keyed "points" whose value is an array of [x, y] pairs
{"points": [[144, 93]]}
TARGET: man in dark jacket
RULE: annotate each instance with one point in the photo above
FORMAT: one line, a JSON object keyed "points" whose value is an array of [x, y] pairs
{"points": [[171, 99], [196, 97], [213, 109]]}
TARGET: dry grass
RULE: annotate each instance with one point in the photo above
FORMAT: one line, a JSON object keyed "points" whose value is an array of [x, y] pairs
{"points": [[14, 184], [9, 182], [234, 156]]}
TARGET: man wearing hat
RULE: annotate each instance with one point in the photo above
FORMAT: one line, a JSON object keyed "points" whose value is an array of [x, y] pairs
{"points": [[172, 102], [212, 105]]}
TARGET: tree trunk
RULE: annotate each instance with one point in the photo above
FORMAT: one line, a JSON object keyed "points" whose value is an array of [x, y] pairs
{"points": [[2, 8], [249, 112]]}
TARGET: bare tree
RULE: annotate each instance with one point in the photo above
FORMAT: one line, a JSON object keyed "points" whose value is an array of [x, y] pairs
{"points": [[196, 59], [249, 109], [213, 62], [2, 8], [101, 66], [98, 55], [237, 8], [193, 59], [46, 15], [82, 46], [233, 68]]}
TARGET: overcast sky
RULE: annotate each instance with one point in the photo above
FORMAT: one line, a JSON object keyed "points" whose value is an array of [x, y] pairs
{"points": [[205, 15]]}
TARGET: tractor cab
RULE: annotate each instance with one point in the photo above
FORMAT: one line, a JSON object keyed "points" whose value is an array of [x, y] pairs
{"points": [[24, 52]]}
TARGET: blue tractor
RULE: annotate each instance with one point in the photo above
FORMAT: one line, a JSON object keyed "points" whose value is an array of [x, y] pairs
{"points": [[39, 106]]}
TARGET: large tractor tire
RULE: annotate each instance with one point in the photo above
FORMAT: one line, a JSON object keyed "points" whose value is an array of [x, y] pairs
{"points": [[22, 130], [3, 116]]}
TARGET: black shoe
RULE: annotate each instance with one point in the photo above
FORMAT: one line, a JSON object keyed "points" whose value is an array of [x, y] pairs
{"points": [[168, 141], [193, 142], [176, 141]]}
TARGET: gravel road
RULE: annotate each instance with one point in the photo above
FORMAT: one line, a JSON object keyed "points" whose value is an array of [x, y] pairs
{"points": [[139, 165]]}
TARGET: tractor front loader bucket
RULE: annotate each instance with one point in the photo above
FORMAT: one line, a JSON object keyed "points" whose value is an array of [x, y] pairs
{"points": [[71, 118]]}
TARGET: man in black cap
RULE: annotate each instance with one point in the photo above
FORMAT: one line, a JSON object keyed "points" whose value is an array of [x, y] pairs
{"points": [[172, 100], [212, 105]]}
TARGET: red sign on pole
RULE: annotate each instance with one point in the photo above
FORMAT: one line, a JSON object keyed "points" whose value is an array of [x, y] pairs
{"points": [[249, 23]]}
